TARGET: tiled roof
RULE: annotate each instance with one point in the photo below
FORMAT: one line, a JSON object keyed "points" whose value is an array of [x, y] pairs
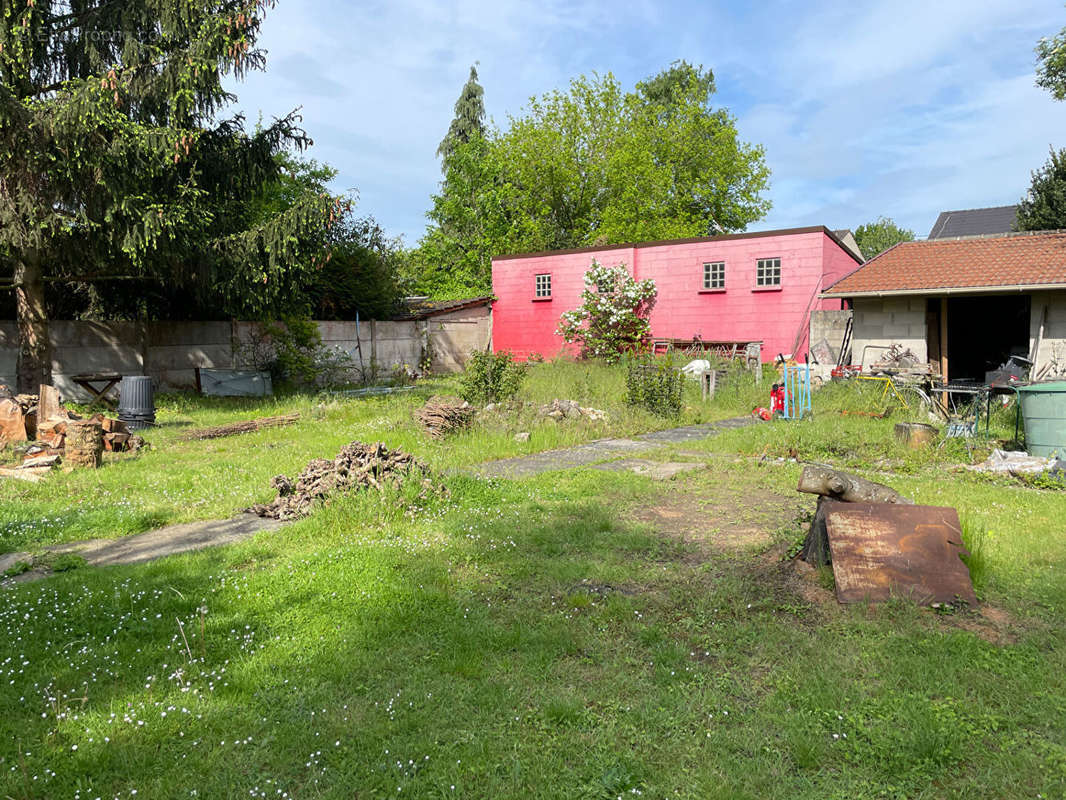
{"points": [[419, 308], [974, 222], [979, 262]]}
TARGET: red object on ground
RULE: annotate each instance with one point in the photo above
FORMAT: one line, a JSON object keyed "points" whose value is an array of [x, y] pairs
{"points": [[762, 413], [743, 309], [777, 400]]}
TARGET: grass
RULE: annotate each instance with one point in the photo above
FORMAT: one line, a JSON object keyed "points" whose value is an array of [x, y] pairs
{"points": [[181, 481], [539, 638]]}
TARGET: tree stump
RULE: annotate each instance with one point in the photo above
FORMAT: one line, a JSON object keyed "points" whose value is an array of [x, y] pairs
{"points": [[85, 445]]}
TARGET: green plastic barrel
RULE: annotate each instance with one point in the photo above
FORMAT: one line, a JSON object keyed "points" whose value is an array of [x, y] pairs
{"points": [[1044, 411]]}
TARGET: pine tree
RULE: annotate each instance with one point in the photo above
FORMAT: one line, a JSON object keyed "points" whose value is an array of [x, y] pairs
{"points": [[469, 118], [115, 167]]}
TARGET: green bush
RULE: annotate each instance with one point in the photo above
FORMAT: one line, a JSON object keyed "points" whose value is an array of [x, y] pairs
{"points": [[294, 354], [491, 377], [656, 385]]}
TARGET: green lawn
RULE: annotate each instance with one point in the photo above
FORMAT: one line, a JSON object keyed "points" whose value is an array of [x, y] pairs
{"points": [[180, 481], [583, 634]]}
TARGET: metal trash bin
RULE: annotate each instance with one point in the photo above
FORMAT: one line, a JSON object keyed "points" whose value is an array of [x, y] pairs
{"points": [[136, 403]]}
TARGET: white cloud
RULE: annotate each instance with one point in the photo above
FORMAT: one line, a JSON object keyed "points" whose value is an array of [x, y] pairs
{"points": [[901, 108]]}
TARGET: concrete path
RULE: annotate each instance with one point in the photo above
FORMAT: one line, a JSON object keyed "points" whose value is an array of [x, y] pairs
{"points": [[602, 450], [188, 536], [148, 546]]}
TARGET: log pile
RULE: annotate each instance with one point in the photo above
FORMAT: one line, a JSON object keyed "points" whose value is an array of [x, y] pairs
{"points": [[358, 466], [55, 435], [443, 415]]}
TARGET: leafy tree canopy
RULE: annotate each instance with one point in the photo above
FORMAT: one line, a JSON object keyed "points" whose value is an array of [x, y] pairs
{"points": [[592, 165], [1051, 64], [875, 237], [115, 165], [1044, 206]]}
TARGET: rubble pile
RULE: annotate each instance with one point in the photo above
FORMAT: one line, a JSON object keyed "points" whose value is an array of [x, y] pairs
{"points": [[570, 409], [443, 415], [54, 435], [358, 466]]}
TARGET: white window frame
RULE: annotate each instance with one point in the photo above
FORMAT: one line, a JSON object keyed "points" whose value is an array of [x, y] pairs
{"points": [[542, 286], [713, 275], [768, 273]]}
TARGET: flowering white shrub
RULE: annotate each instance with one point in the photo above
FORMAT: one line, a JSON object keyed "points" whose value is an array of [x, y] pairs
{"points": [[613, 316]]}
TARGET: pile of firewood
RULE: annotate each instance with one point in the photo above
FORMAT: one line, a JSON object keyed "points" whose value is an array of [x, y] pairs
{"points": [[358, 466], [56, 435], [443, 415], [235, 428]]}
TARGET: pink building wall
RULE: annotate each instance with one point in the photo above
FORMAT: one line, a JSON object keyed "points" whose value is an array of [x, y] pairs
{"points": [[810, 260]]}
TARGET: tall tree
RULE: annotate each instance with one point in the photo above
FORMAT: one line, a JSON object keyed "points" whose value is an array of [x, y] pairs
{"points": [[1044, 206], [469, 120], [590, 166], [114, 165], [875, 237]]}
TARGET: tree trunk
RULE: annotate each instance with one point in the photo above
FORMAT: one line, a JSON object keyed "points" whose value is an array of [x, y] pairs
{"points": [[844, 486], [832, 485], [35, 347]]}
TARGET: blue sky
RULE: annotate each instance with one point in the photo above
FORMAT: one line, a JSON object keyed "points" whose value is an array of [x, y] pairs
{"points": [[901, 109]]}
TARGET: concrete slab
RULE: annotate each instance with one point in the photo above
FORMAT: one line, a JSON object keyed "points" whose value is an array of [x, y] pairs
{"points": [[149, 546], [656, 470]]}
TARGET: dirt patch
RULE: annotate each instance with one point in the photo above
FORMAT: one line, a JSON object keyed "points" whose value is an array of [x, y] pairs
{"points": [[727, 518], [992, 624]]}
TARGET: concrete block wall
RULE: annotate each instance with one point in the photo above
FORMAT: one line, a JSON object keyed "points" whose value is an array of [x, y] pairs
{"points": [[454, 336], [176, 349], [829, 324], [171, 351], [882, 322], [8, 353], [1053, 343]]}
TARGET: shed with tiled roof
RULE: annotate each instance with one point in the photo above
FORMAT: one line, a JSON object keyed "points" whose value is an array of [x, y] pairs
{"points": [[966, 304]]}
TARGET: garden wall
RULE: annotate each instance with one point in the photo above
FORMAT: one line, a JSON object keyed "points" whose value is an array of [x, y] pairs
{"points": [[171, 351]]}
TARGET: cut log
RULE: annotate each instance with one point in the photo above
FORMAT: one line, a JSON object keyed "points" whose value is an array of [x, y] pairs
{"points": [[115, 442], [235, 428], [832, 485], [85, 445], [12, 421], [49, 406], [40, 461], [34, 475], [844, 486]]}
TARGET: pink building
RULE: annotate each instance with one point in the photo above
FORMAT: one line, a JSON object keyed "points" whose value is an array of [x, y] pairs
{"points": [[743, 286]]}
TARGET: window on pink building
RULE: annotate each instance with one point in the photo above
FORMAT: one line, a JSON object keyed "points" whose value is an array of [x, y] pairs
{"points": [[767, 272], [714, 275], [543, 287]]}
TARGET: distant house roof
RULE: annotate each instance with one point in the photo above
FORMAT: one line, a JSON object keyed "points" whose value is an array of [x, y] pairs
{"points": [[413, 308], [847, 239], [974, 222], [975, 264], [722, 237]]}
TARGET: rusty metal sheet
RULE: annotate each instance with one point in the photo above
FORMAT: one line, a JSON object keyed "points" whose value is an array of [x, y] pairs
{"points": [[883, 550]]}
